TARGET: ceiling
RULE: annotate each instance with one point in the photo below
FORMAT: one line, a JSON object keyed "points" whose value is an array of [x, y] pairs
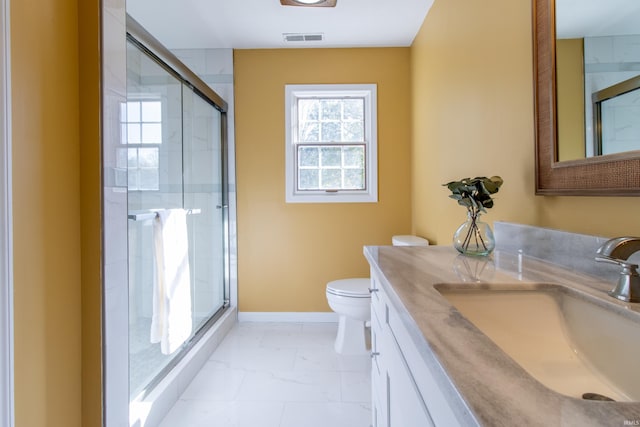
{"points": [[592, 18], [252, 24]]}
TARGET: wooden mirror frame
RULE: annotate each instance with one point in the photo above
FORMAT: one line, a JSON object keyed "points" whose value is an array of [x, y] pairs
{"points": [[609, 175]]}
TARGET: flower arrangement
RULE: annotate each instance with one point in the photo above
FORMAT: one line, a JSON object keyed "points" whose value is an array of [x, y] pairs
{"points": [[474, 237]]}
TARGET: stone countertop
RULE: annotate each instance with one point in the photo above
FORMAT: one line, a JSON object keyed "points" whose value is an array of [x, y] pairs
{"points": [[483, 384]]}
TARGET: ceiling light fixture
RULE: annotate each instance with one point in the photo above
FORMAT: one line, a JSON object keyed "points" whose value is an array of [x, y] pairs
{"points": [[309, 3]]}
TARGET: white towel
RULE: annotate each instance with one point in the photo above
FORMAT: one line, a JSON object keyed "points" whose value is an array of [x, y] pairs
{"points": [[171, 324]]}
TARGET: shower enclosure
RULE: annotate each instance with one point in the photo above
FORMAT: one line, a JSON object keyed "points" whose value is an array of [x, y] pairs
{"points": [[172, 157]]}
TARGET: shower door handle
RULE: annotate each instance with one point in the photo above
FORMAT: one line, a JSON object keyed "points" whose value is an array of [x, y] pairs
{"points": [[222, 206]]}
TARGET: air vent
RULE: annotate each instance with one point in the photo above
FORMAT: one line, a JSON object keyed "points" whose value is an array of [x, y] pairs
{"points": [[309, 3], [299, 37]]}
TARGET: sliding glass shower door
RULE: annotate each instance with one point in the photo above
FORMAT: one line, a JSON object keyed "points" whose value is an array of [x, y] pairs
{"points": [[203, 192], [172, 159]]}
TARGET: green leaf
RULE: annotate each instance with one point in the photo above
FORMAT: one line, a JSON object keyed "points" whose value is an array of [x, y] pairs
{"points": [[475, 194], [493, 184]]}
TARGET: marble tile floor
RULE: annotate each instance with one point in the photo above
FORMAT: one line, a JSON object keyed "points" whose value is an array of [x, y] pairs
{"points": [[277, 375]]}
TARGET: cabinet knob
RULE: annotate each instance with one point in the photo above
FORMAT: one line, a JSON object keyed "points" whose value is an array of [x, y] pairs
{"points": [[372, 290]]}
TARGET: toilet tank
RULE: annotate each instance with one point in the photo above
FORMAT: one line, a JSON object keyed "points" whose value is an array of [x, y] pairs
{"points": [[409, 241]]}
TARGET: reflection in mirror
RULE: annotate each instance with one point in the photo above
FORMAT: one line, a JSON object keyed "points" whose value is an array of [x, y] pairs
{"points": [[616, 114], [597, 48]]}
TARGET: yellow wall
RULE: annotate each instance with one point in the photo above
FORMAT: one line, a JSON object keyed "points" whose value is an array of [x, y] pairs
{"points": [[288, 252], [472, 114], [472, 111], [90, 210], [570, 98], [602, 216], [52, 196]]}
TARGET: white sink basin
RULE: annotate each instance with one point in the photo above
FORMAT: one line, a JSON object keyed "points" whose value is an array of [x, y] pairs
{"points": [[570, 342]]}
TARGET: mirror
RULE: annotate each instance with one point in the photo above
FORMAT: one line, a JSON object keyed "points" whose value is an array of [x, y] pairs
{"points": [[607, 175]]}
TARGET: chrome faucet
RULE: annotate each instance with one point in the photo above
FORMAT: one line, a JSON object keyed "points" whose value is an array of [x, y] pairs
{"points": [[617, 251]]}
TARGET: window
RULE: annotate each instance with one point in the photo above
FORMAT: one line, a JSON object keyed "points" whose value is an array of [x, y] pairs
{"points": [[141, 123], [331, 143]]}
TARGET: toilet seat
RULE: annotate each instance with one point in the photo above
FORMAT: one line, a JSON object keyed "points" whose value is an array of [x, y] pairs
{"points": [[352, 288]]}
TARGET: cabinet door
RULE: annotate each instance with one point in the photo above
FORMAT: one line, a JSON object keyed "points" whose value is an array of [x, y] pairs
{"points": [[406, 406], [378, 387], [396, 400], [379, 396]]}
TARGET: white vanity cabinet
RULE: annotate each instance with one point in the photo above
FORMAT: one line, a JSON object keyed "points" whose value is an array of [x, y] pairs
{"points": [[404, 391]]}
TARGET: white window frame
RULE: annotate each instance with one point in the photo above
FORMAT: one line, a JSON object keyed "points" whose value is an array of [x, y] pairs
{"points": [[6, 235], [366, 91]]}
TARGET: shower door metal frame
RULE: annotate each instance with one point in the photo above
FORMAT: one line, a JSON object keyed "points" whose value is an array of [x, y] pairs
{"points": [[6, 235]]}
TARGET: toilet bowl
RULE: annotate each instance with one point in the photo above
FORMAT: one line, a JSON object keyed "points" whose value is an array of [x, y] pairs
{"points": [[351, 300]]}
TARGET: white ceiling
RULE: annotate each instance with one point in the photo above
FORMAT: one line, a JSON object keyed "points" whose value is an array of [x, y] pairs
{"points": [[592, 18], [244, 24]]}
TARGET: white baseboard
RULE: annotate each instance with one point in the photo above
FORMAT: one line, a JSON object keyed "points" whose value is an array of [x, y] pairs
{"points": [[257, 316]]}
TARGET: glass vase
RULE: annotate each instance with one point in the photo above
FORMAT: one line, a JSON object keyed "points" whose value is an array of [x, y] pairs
{"points": [[474, 237]]}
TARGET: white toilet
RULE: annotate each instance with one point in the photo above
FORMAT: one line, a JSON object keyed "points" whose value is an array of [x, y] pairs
{"points": [[351, 300]]}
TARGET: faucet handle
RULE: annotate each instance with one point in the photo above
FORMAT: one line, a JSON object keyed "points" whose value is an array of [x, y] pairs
{"points": [[628, 269], [621, 262]]}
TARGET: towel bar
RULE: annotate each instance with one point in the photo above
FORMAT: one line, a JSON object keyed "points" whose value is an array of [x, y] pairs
{"points": [[142, 216]]}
